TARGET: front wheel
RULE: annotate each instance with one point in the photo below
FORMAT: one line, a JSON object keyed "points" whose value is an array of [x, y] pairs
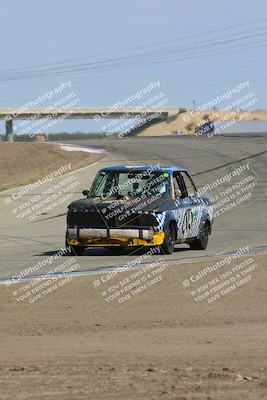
{"points": [[169, 240], [116, 250], [201, 242], [74, 249]]}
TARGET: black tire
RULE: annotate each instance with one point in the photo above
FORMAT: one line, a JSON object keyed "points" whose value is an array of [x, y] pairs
{"points": [[115, 250], [74, 250], [169, 240], [77, 250], [201, 242]]}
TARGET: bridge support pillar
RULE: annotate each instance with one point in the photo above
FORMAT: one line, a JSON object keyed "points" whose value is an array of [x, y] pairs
{"points": [[9, 130]]}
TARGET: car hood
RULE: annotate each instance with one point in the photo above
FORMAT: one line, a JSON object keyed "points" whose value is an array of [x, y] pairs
{"points": [[90, 204]]}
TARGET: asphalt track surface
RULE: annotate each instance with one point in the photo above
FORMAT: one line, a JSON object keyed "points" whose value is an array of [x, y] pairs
{"points": [[24, 243]]}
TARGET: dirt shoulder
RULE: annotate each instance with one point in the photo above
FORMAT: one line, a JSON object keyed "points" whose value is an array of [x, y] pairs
{"points": [[74, 345], [22, 163]]}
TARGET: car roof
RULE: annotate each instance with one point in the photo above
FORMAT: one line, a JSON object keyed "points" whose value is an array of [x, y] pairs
{"points": [[155, 167]]}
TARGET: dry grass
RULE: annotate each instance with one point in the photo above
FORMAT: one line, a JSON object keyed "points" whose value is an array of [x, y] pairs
{"points": [[22, 163]]}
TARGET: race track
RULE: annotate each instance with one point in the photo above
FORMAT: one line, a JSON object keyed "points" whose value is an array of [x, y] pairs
{"points": [[25, 243]]}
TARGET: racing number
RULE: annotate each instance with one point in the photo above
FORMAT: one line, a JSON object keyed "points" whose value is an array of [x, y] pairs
{"points": [[187, 222]]}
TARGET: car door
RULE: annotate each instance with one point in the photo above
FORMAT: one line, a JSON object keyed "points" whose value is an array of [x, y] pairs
{"points": [[189, 207]]}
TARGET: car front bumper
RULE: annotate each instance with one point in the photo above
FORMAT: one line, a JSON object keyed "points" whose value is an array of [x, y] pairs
{"points": [[113, 237]]}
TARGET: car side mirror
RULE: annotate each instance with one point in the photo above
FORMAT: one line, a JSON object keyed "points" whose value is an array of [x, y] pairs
{"points": [[86, 193]]}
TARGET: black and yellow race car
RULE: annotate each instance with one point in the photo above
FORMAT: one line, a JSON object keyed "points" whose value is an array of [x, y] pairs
{"points": [[140, 206]]}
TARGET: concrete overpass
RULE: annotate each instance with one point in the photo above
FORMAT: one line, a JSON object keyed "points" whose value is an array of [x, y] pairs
{"points": [[149, 115]]}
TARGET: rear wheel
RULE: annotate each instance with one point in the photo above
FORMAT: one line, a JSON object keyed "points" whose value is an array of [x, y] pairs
{"points": [[169, 240], [201, 242]]}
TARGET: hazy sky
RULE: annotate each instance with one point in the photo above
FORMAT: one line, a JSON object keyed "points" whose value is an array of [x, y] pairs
{"points": [[35, 33]]}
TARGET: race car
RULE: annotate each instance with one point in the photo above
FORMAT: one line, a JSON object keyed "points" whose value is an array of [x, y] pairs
{"points": [[135, 206]]}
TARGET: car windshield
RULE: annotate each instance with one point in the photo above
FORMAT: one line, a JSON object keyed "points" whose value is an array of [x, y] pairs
{"points": [[131, 184]]}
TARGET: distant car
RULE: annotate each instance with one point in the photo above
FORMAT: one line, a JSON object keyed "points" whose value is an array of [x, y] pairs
{"points": [[140, 206], [207, 128]]}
